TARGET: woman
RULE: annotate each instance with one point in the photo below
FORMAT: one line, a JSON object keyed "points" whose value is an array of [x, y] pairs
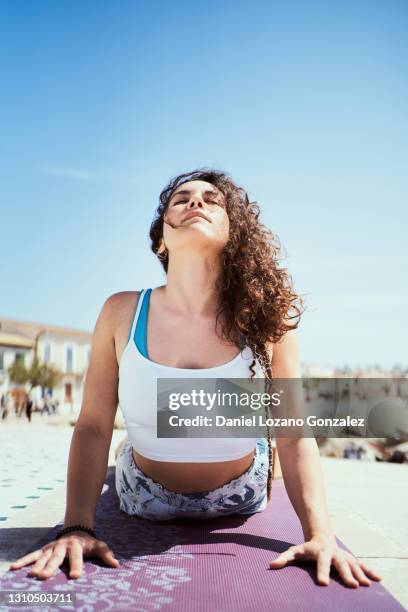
{"points": [[224, 291]]}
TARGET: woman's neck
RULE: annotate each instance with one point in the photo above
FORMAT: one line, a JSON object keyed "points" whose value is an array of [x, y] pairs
{"points": [[190, 287]]}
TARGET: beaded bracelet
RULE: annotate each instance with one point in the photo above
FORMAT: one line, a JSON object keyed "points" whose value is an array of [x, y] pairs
{"points": [[76, 528]]}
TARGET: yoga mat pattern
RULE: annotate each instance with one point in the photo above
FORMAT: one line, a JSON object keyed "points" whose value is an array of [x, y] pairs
{"points": [[213, 565]]}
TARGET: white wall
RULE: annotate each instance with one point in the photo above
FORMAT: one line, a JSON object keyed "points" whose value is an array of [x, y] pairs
{"points": [[58, 359]]}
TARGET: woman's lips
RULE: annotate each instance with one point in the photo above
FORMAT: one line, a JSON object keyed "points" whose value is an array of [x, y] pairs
{"points": [[196, 216]]}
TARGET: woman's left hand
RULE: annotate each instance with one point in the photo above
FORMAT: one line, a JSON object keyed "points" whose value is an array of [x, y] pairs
{"points": [[324, 549]]}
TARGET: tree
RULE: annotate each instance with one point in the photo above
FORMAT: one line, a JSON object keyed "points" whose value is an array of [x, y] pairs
{"points": [[38, 374], [18, 373]]}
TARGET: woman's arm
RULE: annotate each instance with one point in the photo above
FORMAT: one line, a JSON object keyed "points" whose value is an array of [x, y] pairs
{"points": [[87, 465], [88, 458], [303, 477], [89, 451]]}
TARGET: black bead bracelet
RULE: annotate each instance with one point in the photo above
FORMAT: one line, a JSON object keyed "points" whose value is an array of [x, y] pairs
{"points": [[76, 528]]}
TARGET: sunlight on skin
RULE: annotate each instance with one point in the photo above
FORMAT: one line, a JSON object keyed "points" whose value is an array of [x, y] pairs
{"points": [[326, 553]]}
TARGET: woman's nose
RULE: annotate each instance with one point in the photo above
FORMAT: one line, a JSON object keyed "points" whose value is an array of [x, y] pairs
{"points": [[195, 203]]}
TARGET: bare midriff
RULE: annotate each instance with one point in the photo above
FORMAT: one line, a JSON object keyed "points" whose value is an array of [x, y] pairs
{"points": [[193, 477]]}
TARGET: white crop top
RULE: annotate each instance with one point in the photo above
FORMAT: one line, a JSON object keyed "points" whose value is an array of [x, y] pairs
{"points": [[137, 393]]}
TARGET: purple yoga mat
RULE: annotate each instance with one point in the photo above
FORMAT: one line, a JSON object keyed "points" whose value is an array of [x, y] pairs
{"points": [[211, 565]]}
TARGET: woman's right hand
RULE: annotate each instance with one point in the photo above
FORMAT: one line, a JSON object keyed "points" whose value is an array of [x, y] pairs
{"points": [[76, 546]]}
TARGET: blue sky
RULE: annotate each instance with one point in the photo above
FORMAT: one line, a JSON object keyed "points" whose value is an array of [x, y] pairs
{"points": [[304, 103]]}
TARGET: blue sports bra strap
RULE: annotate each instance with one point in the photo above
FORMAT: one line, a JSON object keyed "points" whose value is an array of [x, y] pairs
{"points": [[136, 313]]}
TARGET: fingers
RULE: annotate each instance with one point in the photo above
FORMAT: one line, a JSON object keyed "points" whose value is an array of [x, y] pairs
{"points": [[37, 567], [285, 557], [107, 555], [26, 560], [370, 572], [76, 560], [54, 561], [323, 568], [47, 560], [344, 570], [359, 574], [349, 568]]}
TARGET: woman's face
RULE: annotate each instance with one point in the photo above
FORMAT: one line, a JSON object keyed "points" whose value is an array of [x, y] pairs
{"points": [[181, 230]]}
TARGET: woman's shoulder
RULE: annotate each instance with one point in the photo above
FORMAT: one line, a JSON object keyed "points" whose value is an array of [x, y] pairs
{"points": [[285, 356], [117, 306], [122, 298]]}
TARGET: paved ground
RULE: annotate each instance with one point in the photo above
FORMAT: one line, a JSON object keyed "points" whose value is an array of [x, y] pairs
{"points": [[367, 501], [368, 509], [33, 462]]}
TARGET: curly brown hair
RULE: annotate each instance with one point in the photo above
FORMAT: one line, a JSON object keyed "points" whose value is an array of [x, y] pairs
{"points": [[257, 299]]}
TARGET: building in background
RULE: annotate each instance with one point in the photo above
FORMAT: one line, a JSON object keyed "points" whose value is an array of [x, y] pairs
{"points": [[64, 348]]}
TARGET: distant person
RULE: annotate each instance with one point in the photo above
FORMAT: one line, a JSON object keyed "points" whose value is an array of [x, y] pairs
{"points": [[22, 406], [3, 406], [29, 408], [360, 452], [8, 404], [45, 407], [350, 452], [398, 456], [40, 405]]}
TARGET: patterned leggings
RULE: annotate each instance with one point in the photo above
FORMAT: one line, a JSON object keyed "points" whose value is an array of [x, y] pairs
{"points": [[142, 496]]}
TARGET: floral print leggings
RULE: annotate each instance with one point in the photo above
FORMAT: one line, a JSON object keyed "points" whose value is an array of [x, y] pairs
{"points": [[142, 496]]}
